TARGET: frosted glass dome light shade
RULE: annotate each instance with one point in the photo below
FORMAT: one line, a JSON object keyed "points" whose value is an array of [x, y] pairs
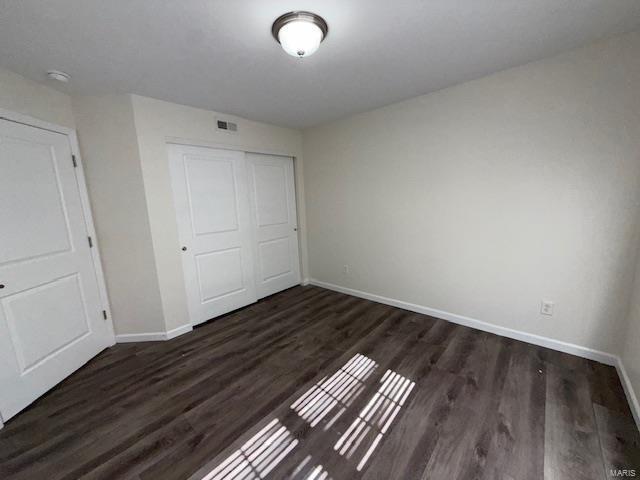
{"points": [[299, 33], [300, 38]]}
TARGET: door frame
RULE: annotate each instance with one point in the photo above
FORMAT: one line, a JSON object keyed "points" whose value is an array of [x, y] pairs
{"points": [[299, 192], [84, 200]]}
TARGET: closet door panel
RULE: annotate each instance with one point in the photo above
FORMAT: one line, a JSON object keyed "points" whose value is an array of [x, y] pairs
{"points": [[213, 214], [274, 223]]}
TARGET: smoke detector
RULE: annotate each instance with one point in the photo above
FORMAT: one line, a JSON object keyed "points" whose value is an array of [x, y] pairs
{"points": [[58, 76]]}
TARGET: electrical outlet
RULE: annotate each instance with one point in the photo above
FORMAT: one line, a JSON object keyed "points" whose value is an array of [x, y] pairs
{"points": [[546, 307], [345, 269]]}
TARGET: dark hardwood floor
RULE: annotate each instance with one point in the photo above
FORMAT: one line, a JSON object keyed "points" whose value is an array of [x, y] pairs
{"points": [[311, 383]]}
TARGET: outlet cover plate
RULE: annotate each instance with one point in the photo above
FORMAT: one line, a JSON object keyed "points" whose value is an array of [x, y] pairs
{"points": [[546, 307]]}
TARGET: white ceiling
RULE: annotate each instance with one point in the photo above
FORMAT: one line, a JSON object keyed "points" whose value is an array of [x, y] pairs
{"points": [[219, 54]]}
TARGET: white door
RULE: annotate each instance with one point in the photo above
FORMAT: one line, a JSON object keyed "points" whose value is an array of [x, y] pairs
{"points": [[211, 201], [274, 223], [51, 317]]}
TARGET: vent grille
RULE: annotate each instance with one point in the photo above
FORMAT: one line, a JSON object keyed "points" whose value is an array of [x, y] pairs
{"points": [[226, 126]]}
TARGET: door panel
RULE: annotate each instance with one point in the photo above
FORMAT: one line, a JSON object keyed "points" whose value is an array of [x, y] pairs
{"points": [[275, 257], [39, 310], [270, 192], [211, 200], [24, 164], [210, 181], [273, 206], [50, 309], [213, 285]]}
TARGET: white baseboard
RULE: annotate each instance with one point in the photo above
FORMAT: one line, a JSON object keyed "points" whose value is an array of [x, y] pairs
{"points": [[153, 336], [141, 337], [176, 332], [305, 282], [591, 354], [629, 392]]}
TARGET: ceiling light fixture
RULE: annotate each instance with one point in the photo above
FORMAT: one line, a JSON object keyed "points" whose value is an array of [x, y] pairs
{"points": [[58, 75], [299, 33]]}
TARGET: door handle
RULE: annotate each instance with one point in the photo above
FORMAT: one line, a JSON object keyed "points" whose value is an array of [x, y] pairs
{"points": [[295, 229], [184, 249]]}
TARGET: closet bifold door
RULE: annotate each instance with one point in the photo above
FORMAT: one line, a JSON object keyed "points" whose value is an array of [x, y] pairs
{"points": [[212, 207], [273, 223]]}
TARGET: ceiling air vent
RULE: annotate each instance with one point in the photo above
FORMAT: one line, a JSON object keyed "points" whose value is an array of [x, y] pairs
{"points": [[225, 126]]}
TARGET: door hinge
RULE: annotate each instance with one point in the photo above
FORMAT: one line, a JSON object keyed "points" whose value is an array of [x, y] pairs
{"points": [[73, 159], [104, 314], [90, 242]]}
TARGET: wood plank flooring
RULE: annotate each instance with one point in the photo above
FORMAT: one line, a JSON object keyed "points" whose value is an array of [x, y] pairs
{"points": [[311, 383]]}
